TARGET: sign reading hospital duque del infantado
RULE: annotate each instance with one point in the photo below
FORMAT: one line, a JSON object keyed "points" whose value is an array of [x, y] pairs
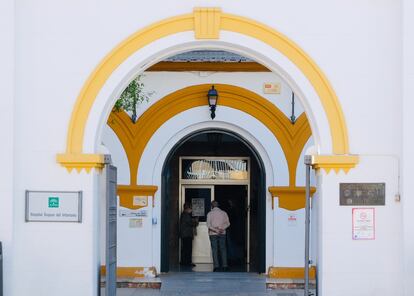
{"points": [[57, 206]]}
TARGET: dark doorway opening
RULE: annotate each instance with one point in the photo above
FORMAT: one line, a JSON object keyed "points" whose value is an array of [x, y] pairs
{"points": [[252, 233], [233, 200]]}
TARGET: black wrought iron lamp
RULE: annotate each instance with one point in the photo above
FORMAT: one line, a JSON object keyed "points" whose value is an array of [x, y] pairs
{"points": [[212, 96], [293, 117]]}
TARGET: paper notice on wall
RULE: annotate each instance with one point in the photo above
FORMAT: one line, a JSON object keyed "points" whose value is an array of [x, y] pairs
{"points": [[363, 224], [135, 223], [198, 207]]}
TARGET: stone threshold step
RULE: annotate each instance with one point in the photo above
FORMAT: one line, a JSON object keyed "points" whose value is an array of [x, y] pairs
{"points": [[148, 283], [286, 284]]}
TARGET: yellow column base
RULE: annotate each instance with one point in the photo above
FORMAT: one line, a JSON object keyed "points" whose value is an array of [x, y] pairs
{"points": [[133, 272], [291, 272]]}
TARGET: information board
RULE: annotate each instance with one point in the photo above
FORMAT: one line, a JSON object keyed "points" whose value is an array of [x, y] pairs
{"points": [[362, 194], [53, 206], [363, 224]]}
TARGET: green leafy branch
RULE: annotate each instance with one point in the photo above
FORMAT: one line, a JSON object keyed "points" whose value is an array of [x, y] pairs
{"points": [[132, 96]]}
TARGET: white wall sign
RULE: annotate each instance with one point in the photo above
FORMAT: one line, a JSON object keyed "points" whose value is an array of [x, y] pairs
{"points": [[133, 213], [141, 201], [53, 206], [271, 87], [135, 223], [363, 223]]}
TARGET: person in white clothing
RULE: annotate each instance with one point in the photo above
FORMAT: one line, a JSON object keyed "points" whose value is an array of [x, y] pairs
{"points": [[217, 223]]}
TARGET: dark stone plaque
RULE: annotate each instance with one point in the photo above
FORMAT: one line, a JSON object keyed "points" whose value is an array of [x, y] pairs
{"points": [[362, 194]]}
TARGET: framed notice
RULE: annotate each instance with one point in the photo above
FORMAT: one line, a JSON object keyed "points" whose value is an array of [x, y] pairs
{"points": [[135, 223], [363, 224], [198, 207], [53, 206]]}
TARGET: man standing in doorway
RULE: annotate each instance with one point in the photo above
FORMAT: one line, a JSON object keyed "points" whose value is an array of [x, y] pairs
{"points": [[187, 224], [217, 222]]}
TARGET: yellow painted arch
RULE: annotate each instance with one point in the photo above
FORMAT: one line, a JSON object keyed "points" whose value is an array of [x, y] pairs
{"points": [[206, 23], [135, 137]]}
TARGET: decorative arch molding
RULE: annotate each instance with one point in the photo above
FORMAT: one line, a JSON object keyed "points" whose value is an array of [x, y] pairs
{"points": [[135, 137], [206, 24]]}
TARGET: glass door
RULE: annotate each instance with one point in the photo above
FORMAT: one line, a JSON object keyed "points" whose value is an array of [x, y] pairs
{"points": [[200, 197]]}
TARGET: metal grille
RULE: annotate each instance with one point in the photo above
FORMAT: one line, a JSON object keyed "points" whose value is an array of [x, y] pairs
{"points": [[215, 169]]}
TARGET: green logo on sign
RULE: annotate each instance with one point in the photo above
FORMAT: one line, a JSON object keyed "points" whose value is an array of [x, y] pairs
{"points": [[53, 202]]}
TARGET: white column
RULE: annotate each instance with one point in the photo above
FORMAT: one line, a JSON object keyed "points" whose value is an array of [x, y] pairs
{"points": [[275, 241], [6, 136], [360, 267], [407, 166]]}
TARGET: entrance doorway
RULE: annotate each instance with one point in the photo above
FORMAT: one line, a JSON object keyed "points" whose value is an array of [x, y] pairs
{"points": [[230, 171], [233, 199]]}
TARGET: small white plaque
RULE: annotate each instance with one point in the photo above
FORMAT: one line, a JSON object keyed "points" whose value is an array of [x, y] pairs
{"points": [[133, 213], [271, 87], [363, 224], [53, 206], [141, 201], [135, 223]]}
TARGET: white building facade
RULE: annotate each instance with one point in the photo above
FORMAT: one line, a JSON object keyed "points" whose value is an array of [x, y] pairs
{"points": [[349, 65]]}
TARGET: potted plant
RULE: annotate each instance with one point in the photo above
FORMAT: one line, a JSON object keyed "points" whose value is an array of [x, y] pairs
{"points": [[132, 96]]}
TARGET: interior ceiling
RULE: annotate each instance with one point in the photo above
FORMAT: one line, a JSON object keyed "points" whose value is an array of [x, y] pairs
{"points": [[208, 61], [197, 56]]}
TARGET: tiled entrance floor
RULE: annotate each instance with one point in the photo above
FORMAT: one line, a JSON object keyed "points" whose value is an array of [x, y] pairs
{"points": [[210, 283]]}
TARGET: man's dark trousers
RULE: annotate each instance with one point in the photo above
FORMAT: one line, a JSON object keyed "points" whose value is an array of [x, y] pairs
{"points": [[186, 250]]}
